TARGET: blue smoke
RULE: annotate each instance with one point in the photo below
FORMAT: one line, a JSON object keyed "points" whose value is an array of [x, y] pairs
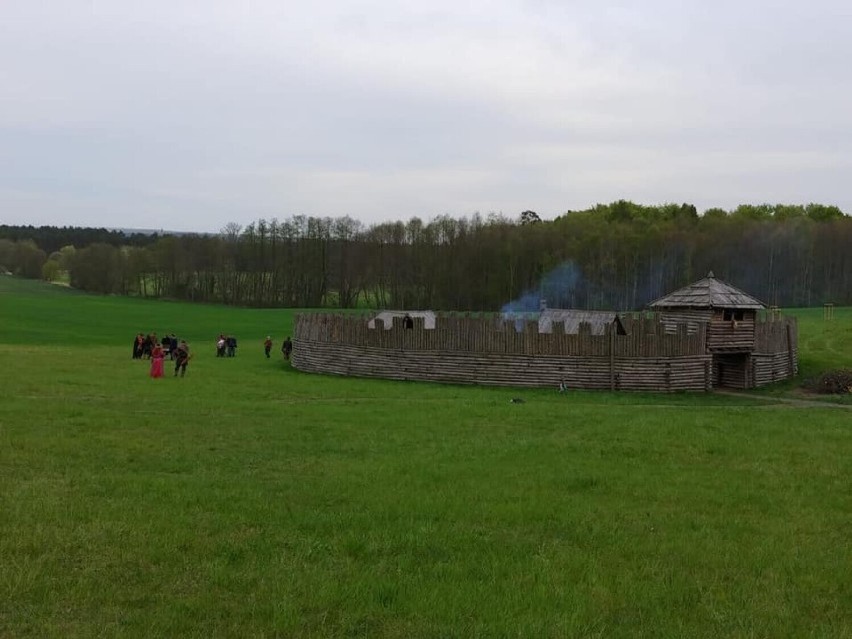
{"points": [[558, 288], [526, 303]]}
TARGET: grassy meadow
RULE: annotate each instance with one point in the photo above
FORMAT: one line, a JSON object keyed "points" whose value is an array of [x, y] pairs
{"points": [[251, 500]]}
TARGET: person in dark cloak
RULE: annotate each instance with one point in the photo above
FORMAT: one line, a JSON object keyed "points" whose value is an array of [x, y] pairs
{"points": [[181, 358], [287, 347], [148, 345]]}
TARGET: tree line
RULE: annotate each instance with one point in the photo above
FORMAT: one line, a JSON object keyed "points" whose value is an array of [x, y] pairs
{"points": [[53, 238], [611, 256]]}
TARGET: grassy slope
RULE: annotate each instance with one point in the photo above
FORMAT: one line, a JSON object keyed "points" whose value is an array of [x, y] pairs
{"points": [[824, 344], [251, 500]]}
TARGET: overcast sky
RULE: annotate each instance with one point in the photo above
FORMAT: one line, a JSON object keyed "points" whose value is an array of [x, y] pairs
{"points": [[188, 115]]}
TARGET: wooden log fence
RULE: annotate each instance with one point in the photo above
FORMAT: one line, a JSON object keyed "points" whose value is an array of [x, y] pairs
{"points": [[645, 338], [644, 374], [776, 350], [467, 349], [491, 351]]}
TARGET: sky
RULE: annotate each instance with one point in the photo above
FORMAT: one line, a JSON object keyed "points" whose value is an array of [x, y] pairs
{"points": [[186, 116]]}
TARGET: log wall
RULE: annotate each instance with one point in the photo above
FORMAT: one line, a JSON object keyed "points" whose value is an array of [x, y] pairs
{"points": [[490, 351], [493, 369], [692, 317], [776, 350], [731, 335], [655, 355], [646, 337]]}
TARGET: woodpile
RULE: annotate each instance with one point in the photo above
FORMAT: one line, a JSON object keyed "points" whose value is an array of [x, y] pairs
{"points": [[837, 382]]}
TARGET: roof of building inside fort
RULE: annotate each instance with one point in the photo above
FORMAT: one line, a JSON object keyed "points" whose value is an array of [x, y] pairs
{"points": [[572, 318], [387, 318], [708, 293]]}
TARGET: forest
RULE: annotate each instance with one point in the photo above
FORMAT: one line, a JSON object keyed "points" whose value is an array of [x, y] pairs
{"points": [[616, 256]]}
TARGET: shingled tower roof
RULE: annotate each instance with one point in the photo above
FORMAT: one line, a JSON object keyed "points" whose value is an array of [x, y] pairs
{"points": [[708, 293]]}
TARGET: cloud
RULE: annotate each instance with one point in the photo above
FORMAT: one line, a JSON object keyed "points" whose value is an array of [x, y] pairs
{"points": [[191, 114]]}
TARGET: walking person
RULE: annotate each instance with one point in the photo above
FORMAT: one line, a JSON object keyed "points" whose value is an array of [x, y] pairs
{"points": [[287, 347], [267, 346], [157, 357], [181, 358]]}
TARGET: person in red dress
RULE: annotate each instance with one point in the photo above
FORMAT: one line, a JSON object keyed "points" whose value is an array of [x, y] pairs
{"points": [[157, 361]]}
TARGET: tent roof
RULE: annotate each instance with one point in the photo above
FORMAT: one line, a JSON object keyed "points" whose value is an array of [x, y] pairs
{"points": [[387, 318], [572, 318], [708, 293]]}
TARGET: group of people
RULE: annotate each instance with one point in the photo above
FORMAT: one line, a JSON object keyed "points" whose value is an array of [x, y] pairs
{"points": [[149, 347], [157, 350], [143, 345], [226, 345]]}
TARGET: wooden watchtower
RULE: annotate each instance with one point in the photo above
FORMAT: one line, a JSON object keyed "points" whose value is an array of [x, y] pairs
{"points": [[730, 315]]}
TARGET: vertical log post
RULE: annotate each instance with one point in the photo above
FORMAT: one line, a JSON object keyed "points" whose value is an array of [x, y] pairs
{"points": [[790, 360], [611, 358]]}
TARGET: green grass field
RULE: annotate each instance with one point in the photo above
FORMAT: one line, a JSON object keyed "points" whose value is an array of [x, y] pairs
{"points": [[251, 500]]}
